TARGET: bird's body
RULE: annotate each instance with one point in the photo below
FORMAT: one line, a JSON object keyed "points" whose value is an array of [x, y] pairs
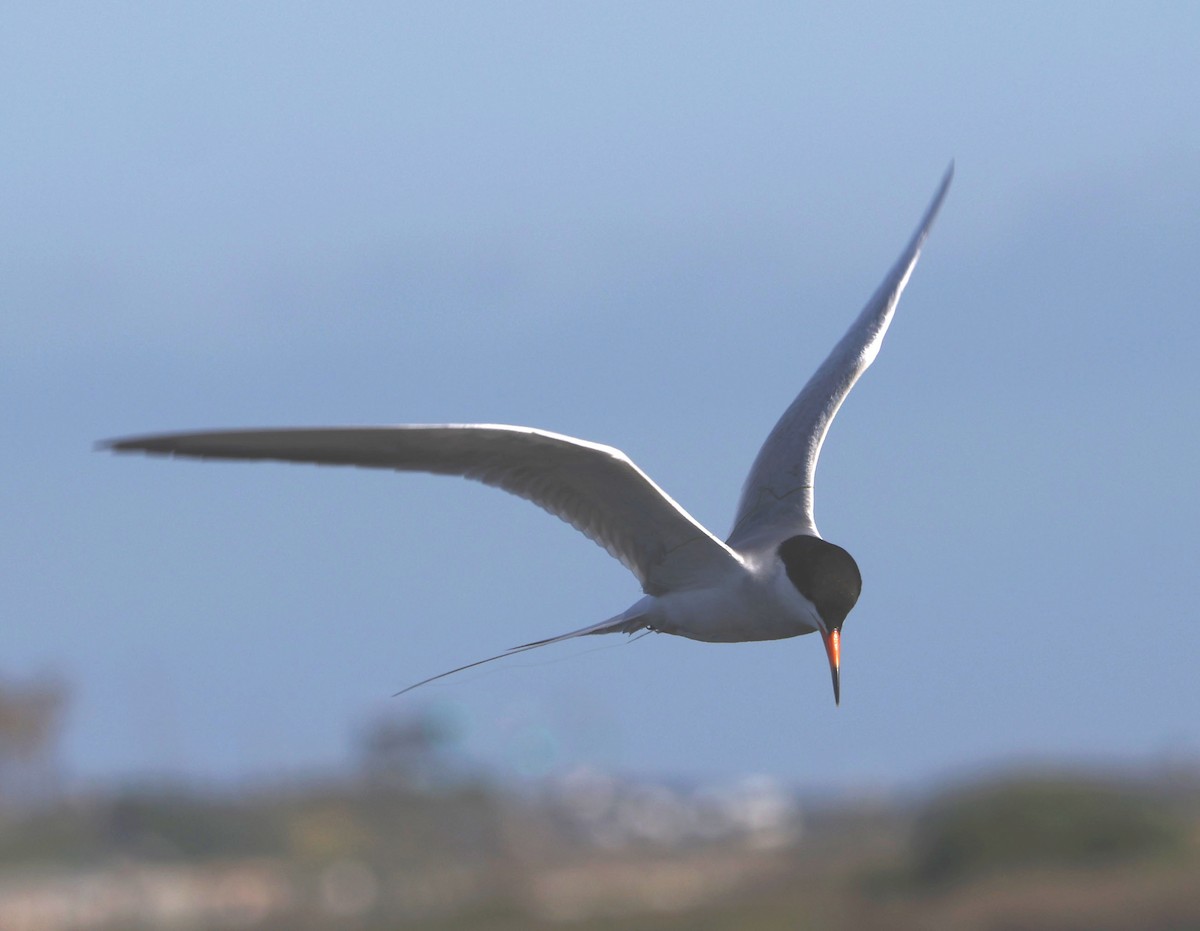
{"points": [[774, 578], [754, 602]]}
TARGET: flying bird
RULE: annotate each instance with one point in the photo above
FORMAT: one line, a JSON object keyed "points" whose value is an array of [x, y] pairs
{"points": [[774, 577]]}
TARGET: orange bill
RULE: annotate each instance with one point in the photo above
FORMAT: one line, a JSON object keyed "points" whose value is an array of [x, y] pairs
{"points": [[833, 646]]}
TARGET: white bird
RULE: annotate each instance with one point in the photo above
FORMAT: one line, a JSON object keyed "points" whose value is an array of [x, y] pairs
{"points": [[775, 576]]}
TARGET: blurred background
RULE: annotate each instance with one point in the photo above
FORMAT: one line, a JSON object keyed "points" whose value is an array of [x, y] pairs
{"points": [[643, 225]]}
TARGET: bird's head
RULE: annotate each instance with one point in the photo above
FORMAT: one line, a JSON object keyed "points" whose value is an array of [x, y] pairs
{"points": [[828, 577]]}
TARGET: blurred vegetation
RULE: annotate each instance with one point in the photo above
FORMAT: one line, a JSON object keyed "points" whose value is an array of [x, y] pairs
{"points": [[314, 825], [31, 720], [368, 854], [408, 837], [1042, 822]]}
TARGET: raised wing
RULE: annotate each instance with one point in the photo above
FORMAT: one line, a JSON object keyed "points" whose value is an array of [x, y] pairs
{"points": [[777, 499], [594, 488]]}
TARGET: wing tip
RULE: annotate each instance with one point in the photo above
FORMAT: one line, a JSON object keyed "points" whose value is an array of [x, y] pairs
{"points": [[128, 444], [112, 445], [935, 205]]}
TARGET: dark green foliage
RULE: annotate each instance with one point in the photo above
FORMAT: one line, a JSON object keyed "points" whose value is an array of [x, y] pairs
{"points": [[182, 827], [145, 826], [1039, 823], [313, 825]]}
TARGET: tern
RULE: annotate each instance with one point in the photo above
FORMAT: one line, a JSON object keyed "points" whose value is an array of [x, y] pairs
{"points": [[774, 577]]}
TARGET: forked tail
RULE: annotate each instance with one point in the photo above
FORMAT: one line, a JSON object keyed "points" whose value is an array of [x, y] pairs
{"points": [[625, 623]]}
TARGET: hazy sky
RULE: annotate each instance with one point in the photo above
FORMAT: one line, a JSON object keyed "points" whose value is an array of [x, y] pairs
{"points": [[645, 225]]}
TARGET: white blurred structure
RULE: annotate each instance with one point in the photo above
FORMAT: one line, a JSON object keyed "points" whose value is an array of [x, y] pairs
{"points": [[757, 811]]}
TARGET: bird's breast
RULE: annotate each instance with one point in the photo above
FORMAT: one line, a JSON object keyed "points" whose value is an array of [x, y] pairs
{"points": [[758, 605]]}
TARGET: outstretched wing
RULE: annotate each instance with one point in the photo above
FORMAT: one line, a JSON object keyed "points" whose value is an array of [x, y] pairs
{"points": [[594, 488], [777, 499]]}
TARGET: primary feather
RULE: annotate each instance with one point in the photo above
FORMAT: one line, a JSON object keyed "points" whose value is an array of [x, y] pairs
{"points": [[777, 498], [596, 489]]}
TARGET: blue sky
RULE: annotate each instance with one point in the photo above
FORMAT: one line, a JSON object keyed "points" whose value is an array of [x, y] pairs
{"points": [[642, 224]]}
